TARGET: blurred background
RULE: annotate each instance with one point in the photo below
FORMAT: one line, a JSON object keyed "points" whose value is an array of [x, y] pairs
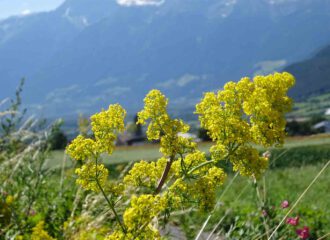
{"points": [[78, 56]]}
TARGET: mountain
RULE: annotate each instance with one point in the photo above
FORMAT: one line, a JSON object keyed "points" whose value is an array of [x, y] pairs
{"points": [[89, 53], [313, 75]]}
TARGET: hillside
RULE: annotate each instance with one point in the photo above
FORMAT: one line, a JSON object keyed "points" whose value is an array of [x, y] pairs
{"points": [[312, 106], [88, 53], [313, 75]]}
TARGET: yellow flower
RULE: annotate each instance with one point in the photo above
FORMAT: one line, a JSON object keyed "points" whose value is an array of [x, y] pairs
{"points": [[144, 174], [106, 125], [38, 232], [161, 126], [239, 117], [247, 113], [9, 199], [247, 161], [143, 209], [82, 148], [92, 176]]}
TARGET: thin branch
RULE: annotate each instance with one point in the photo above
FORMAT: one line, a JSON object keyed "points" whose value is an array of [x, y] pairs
{"points": [[164, 175], [111, 206]]}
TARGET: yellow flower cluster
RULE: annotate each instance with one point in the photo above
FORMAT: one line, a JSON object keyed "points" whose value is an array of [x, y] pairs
{"points": [[106, 125], [138, 218], [200, 181], [145, 174], [190, 161], [246, 113], [267, 105], [242, 115], [206, 186], [115, 188], [155, 104], [82, 148], [143, 209], [221, 115], [218, 152], [247, 161], [92, 176], [38, 232], [161, 126]]}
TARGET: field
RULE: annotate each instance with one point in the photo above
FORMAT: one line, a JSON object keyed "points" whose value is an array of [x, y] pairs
{"points": [[239, 202], [126, 154], [46, 195], [315, 105], [292, 169]]}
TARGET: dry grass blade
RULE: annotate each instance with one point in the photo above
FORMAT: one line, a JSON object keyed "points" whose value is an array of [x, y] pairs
{"points": [[4, 101], [4, 113]]}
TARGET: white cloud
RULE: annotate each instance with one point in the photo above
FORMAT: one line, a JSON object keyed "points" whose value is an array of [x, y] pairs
{"points": [[106, 81], [187, 78], [182, 81], [167, 84], [140, 2], [116, 91], [26, 12], [61, 95]]}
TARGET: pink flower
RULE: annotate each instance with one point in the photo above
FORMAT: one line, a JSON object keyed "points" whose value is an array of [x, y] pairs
{"points": [[293, 221], [264, 213], [285, 204], [303, 233]]}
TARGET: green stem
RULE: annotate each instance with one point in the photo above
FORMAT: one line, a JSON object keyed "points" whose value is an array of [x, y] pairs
{"points": [[111, 206], [213, 161], [200, 166]]}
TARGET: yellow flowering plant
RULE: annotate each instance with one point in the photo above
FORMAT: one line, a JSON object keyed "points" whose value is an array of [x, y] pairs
{"points": [[239, 117]]}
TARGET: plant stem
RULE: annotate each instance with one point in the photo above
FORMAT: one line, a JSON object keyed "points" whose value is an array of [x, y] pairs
{"points": [[164, 175], [111, 206], [200, 165]]}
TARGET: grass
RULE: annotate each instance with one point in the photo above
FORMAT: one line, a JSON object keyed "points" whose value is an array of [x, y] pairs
{"points": [[304, 148], [278, 185], [286, 184], [315, 105], [124, 154], [294, 167]]}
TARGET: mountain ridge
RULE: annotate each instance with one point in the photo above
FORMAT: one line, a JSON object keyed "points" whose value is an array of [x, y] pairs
{"points": [[313, 74]]}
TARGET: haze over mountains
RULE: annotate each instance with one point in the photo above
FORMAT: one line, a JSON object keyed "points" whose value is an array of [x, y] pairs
{"points": [[313, 74], [23, 7], [87, 54]]}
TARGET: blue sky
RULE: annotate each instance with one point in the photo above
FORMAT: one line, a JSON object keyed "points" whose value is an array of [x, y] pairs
{"points": [[17, 7]]}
